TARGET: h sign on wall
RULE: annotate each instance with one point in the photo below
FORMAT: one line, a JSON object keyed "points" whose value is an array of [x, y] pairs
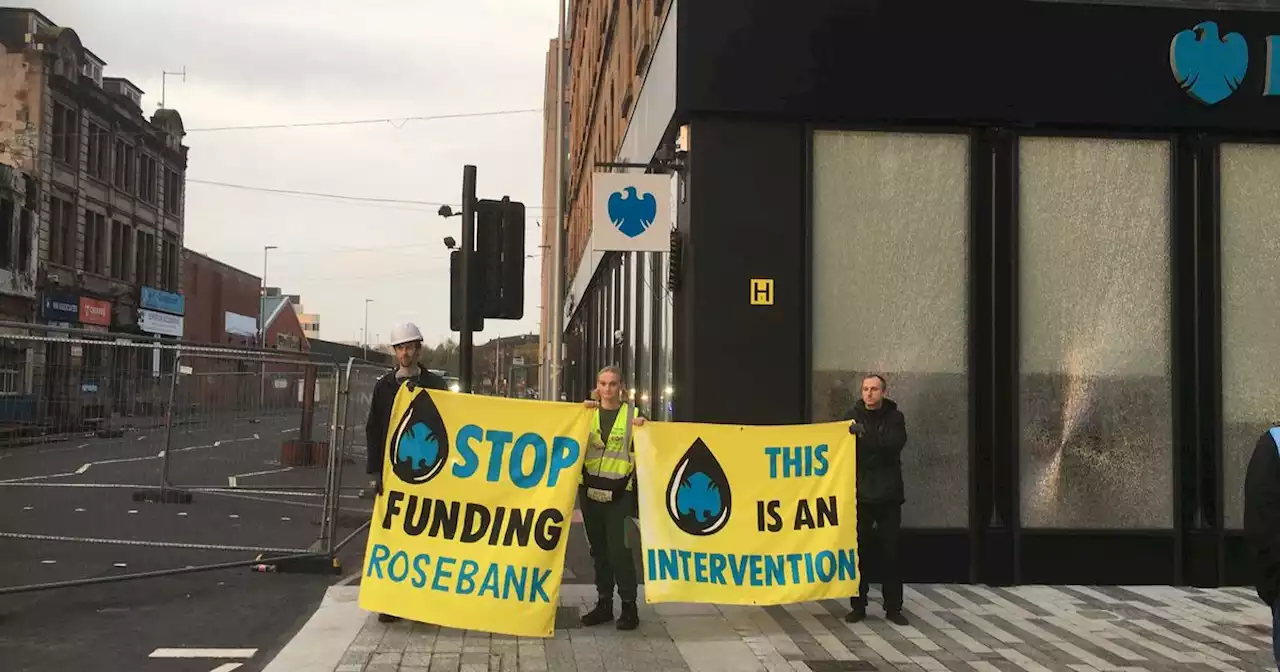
{"points": [[631, 212]]}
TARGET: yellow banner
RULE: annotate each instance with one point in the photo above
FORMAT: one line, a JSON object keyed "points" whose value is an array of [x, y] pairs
{"points": [[747, 515], [472, 526]]}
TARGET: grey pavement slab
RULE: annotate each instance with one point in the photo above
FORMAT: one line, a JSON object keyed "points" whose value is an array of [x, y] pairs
{"points": [[953, 627]]}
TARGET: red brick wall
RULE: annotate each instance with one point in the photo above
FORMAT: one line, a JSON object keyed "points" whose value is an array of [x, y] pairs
{"points": [[212, 289]]}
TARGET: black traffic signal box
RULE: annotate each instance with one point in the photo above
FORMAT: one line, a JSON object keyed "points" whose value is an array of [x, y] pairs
{"points": [[455, 293], [500, 255]]}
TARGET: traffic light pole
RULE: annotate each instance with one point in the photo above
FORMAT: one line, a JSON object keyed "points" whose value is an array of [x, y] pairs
{"points": [[468, 245]]}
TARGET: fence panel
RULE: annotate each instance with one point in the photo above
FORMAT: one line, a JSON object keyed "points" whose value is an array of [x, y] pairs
{"points": [[251, 422], [352, 506], [92, 425]]}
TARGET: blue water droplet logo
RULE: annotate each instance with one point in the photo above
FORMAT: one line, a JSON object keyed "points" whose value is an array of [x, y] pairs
{"points": [[421, 446], [698, 497]]}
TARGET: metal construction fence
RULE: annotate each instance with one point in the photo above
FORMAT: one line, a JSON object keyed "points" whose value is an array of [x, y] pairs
{"points": [[124, 457]]}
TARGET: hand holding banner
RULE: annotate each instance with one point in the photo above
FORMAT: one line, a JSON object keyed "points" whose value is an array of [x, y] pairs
{"points": [[747, 515], [472, 528]]}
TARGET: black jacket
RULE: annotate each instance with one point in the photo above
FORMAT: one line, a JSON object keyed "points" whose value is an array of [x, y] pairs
{"points": [[1262, 515], [884, 435], [384, 397]]}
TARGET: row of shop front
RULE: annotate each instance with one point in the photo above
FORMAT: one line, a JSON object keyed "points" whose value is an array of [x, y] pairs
{"points": [[158, 313], [81, 386]]}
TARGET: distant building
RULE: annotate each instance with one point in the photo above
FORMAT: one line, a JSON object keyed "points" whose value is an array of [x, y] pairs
{"points": [[310, 321]]}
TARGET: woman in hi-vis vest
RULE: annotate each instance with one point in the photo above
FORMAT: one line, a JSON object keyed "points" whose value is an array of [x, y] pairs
{"points": [[607, 498]]}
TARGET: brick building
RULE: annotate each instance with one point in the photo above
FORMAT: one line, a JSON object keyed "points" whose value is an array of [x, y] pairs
{"points": [[91, 213], [222, 301], [618, 71]]}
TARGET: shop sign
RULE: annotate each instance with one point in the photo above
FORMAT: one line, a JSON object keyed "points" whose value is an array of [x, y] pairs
{"points": [[165, 302], [631, 212], [162, 324], [60, 307], [1210, 66], [95, 311]]}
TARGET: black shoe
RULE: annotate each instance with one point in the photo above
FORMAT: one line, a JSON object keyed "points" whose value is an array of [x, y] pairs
{"points": [[603, 613], [629, 619], [387, 618], [857, 615], [896, 618]]}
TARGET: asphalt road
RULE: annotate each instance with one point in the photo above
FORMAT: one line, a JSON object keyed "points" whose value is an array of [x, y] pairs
{"points": [[81, 490]]}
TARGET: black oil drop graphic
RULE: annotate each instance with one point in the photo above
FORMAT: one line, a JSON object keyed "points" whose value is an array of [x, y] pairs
{"points": [[698, 497], [420, 446]]}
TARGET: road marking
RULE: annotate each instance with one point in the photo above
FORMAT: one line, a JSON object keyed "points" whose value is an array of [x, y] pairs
{"points": [[48, 562], [143, 437], [28, 508], [133, 511], [79, 510], [203, 653], [86, 466], [234, 515], [120, 565], [227, 667], [234, 481], [182, 513], [83, 445], [285, 518]]}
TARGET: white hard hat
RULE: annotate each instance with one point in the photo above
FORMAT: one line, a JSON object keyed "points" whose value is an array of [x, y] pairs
{"points": [[405, 333]]}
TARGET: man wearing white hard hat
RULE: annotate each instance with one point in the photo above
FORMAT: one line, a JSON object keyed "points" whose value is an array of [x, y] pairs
{"points": [[407, 341]]}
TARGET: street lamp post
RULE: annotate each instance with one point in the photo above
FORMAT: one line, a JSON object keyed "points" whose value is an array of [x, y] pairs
{"points": [[366, 328], [262, 299], [262, 330]]}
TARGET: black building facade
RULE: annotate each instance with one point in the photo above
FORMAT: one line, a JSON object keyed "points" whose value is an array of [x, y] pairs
{"points": [[1051, 225]]}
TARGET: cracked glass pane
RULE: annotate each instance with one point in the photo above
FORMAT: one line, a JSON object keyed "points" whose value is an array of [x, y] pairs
{"points": [[1095, 395], [1250, 294], [890, 283]]}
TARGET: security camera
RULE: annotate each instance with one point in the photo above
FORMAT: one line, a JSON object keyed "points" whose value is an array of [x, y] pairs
{"points": [[445, 211], [449, 242]]}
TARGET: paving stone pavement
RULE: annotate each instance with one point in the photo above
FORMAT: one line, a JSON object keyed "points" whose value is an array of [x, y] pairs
{"points": [[953, 627]]}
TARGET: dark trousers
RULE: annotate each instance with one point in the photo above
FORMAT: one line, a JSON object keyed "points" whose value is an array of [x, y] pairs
{"points": [[886, 519], [606, 525]]}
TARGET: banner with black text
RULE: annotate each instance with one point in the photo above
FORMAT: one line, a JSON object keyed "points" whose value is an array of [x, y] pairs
{"points": [[747, 515], [472, 526]]}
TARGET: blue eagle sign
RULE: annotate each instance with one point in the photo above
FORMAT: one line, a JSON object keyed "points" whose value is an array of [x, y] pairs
{"points": [[1207, 65], [632, 212]]}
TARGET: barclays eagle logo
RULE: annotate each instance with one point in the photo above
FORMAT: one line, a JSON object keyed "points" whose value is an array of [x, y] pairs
{"points": [[634, 214], [1208, 67]]}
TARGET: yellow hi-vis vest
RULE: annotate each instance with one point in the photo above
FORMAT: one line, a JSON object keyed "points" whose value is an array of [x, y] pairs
{"points": [[608, 464]]}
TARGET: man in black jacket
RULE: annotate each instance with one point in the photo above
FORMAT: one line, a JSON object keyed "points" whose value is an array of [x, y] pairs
{"points": [[1262, 523], [407, 341], [882, 434]]}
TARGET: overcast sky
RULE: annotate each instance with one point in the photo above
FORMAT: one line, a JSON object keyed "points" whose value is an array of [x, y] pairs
{"points": [[251, 62]]}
